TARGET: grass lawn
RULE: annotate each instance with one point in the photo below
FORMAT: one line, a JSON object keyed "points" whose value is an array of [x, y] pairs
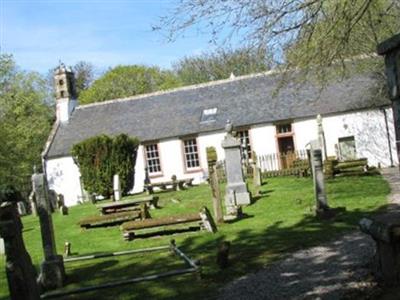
{"points": [[280, 221]]}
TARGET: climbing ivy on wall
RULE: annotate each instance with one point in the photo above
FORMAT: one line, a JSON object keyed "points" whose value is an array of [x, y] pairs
{"points": [[100, 157]]}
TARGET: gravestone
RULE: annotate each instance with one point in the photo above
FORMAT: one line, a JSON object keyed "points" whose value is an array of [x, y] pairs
{"points": [[236, 193], [61, 205], [117, 188], [52, 198], [20, 272], [52, 273], [2, 247], [21, 208], [149, 189], [32, 202], [321, 137], [323, 211], [213, 180], [257, 181]]}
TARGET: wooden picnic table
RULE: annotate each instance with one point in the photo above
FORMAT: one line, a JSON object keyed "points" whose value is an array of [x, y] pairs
{"points": [[127, 205]]}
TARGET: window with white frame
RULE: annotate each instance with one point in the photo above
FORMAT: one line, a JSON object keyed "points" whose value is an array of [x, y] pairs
{"points": [[153, 159], [245, 146], [191, 154]]}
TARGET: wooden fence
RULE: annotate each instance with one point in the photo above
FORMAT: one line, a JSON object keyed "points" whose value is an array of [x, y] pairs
{"points": [[277, 164], [272, 165]]}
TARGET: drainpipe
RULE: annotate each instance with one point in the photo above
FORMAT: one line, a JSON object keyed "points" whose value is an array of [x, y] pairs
{"points": [[388, 136]]}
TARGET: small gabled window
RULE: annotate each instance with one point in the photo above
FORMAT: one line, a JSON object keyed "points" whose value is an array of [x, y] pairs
{"points": [[208, 115]]}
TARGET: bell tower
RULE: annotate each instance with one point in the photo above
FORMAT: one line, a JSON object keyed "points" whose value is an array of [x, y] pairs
{"points": [[64, 82]]}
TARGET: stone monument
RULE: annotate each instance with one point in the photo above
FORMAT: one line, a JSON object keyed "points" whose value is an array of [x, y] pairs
{"points": [[117, 188], [21, 274], [236, 193], [321, 137], [213, 180], [52, 273], [323, 211]]}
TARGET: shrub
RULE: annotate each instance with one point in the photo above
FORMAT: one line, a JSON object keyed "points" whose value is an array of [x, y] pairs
{"points": [[100, 157]]}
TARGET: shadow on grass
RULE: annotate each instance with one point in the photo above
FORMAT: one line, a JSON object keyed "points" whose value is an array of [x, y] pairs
{"points": [[250, 251]]}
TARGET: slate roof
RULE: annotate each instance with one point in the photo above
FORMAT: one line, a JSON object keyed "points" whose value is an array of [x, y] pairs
{"points": [[245, 100]]}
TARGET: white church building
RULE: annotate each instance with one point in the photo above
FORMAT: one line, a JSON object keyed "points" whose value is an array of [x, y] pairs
{"points": [[176, 126]]}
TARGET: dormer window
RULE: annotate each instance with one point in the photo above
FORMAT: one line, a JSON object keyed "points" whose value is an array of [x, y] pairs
{"points": [[208, 115]]}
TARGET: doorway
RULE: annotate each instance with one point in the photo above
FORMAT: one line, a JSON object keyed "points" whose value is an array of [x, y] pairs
{"points": [[286, 151]]}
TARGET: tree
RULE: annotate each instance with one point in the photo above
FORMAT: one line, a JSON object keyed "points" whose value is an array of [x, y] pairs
{"points": [[220, 64], [84, 75], [25, 122], [100, 157], [125, 81], [302, 34]]}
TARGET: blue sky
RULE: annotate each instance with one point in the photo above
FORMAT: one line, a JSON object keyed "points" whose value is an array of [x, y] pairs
{"points": [[39, 33]]}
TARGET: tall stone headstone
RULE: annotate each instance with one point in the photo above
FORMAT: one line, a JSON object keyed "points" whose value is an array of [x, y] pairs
{"points": [[236, 193], [21, 274], [319, 183], [2, 250], [321, 137], [213, 180], [52, 274], [117, 188]]}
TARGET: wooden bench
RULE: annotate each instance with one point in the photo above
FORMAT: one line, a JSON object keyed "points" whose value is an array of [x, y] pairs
{"points": [[175, 185], [112, 219], [203, 220], [128, 205]]}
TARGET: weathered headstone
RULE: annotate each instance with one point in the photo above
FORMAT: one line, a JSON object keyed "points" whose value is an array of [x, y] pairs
{"points": [[213, 180], [52, 198], [52, 274], [67, 249], [2, 251], [257, 181], [21, 274], [236, 190], [147, 182], [21, 208], [117, 188], [32, 202], [323, 211], [175, 184], [321, 137]]}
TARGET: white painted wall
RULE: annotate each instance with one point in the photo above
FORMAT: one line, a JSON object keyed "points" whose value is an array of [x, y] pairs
{"points": [[368, 128], [369, 131], [63, 177], [64, 108], [262, 139]]}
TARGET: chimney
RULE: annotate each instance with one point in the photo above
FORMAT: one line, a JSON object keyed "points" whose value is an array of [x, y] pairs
{"points": [[64, 82]]}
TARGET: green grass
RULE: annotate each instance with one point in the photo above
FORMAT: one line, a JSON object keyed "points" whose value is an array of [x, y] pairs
{"points": [[279, 222]]}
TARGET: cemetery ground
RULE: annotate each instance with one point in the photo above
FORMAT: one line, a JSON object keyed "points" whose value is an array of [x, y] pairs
{"points": [[280, 221]]}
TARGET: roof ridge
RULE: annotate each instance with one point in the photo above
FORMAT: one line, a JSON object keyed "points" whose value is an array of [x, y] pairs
{"points": [[183, 88]]}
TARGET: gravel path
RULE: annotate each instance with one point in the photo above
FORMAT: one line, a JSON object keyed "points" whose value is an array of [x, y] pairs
{"points": [[331, 271]]}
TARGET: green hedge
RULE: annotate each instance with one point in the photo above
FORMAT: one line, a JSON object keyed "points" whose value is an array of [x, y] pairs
{"points": [[100, 157]]}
